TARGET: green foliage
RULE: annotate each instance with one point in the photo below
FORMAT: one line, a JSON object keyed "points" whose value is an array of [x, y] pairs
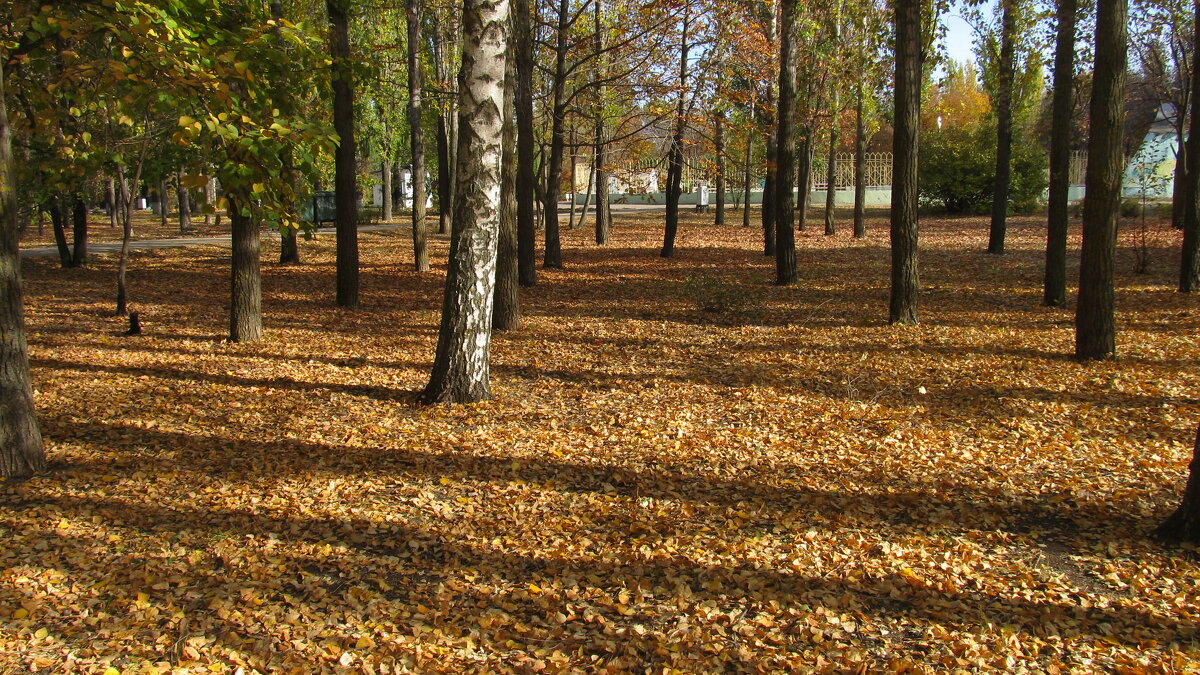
{"points": [[958, 169]]}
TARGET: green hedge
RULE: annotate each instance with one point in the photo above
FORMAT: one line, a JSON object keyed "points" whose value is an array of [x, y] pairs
{"points": [[958, 169]]}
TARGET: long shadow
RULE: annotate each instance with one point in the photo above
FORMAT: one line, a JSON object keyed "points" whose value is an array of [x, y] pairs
{"points": [[370, 391], [944, 506], [420, 556]]}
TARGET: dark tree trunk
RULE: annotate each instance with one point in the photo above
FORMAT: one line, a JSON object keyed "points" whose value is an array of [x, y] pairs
{"points": [[21, 452], [385, 211], [1189, 268], [525, 178], [126, 236], [719, 142], [1008, 29], [163, 205], [1054, 286], [345, 159], [603, 213], [460, 369], [902, 307], [675, 154], [747, 177], [785, 147], [831, 174], [59, 213], [506, 313], [445, 189], [860, 165], [804, 156], [1184, 524], [111, 196], [1095, 326], [770, 182], [552, 257], [183, 196], [245, 308], [79, 232], [416, 138]]}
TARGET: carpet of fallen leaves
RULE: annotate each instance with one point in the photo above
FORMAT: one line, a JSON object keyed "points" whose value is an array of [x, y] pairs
{"points": [[785, 485]]}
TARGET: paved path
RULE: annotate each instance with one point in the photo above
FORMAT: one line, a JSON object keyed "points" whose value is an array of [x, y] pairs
{"points": [[95, 248]]}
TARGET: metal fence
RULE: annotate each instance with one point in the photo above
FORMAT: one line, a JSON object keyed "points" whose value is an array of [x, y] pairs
{"points": [[878, 171]]}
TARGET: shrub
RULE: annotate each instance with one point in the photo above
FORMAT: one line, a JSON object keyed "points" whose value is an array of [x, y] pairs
{"points": [[958, 170]]}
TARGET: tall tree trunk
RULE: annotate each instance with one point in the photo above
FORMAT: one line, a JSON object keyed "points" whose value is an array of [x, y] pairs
{"points": [[804, 162], [1054, 285], [675, 154], [210, 199], [163, 205], [79, 231], [770, 182], [785, 146], [59, 213], [111, 197], [525, 179], [1008, 29], [603, 213], [506, 313], [126, 236], [445, 188], [245, 308], [902, 307], [416, 137], [860, 164], [1189, 268], [719, 142], [385, 210], [831, 172], [552, 257], [345, 159], [184, 197], [1184, 523], [1095, 327], [747, 177], [460, 369], [21, 452]]}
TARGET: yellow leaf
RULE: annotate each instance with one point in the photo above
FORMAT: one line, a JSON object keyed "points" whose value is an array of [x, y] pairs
{"points": [[21, 613], [41, 633], [534, 588], [143, 597], [444, 481], [111, 671]]}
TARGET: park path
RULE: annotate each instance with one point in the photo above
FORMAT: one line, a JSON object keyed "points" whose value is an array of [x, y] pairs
{"points": [[95, 248]]}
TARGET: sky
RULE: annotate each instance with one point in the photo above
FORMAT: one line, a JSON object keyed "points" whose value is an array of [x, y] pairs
{"points": [[959, 37]]}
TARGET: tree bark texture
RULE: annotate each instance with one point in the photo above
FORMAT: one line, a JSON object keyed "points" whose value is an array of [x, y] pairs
{"points": [[860, 164], [675, 154], [770, 182], [719, 143], [385, 211], [1008, 29], [1184, 524], [163, 203], [345, 167], [804, 157], [831, 174], [526, 179], [552, 256], [506, 312], [245, 307], [603, 213], [460, 369], [1189, 267], [416, 139], [905, 281], [1054, 285], [1095, 323], [79, 231], [111, 196], [445, 189], [59, 212], [21, 452], [785, 142], [184, 197], [747, 177]]}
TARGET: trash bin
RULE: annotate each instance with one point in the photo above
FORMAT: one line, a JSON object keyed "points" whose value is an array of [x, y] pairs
{"points": [[702, 197]]}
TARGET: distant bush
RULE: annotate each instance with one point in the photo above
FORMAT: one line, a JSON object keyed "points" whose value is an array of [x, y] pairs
{"points": [[958, 171]]}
